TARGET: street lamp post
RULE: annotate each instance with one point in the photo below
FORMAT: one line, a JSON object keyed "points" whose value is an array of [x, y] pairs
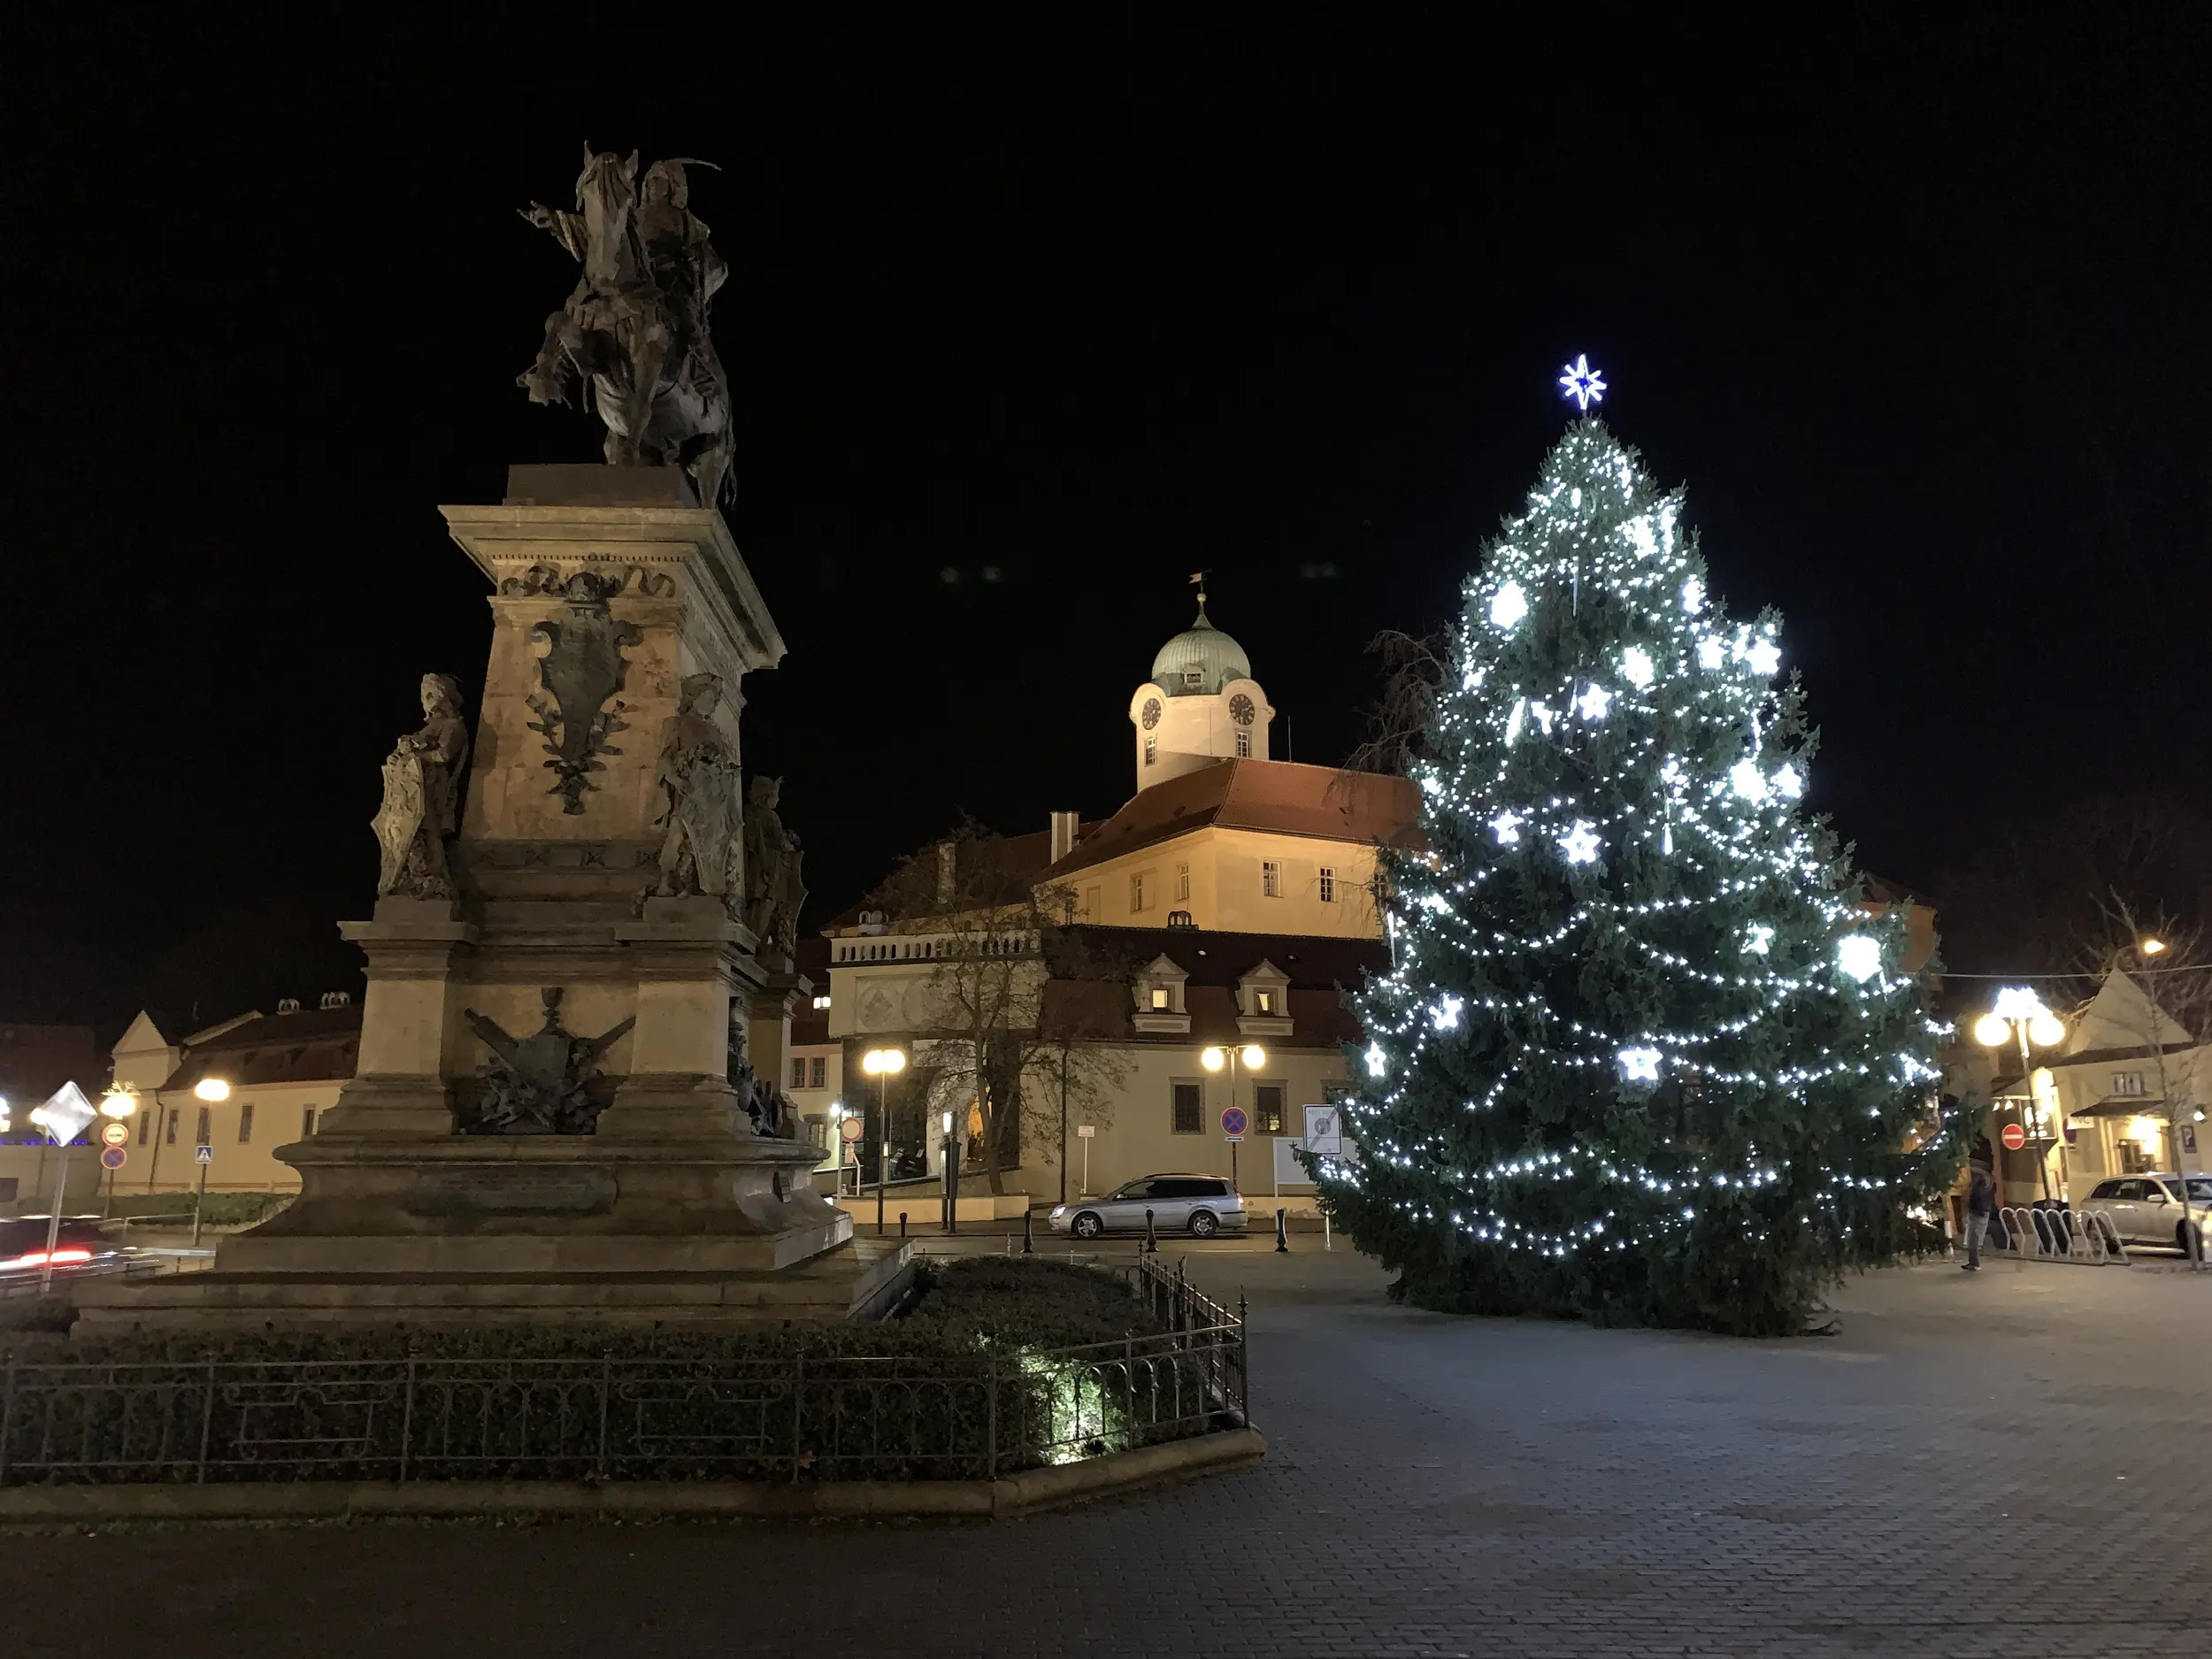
{"points": [[212, 1090], [1254, 1057], [2019, 1016], [883, 1064]]}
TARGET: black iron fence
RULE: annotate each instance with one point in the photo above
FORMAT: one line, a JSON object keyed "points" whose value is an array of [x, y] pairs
{"points": [[796, 1417]]}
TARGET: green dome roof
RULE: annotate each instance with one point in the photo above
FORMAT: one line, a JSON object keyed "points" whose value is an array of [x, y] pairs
{"points": [[1204, 650]]}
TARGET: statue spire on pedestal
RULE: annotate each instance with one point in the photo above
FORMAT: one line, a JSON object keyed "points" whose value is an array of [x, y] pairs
{"points": [[635, 332]]}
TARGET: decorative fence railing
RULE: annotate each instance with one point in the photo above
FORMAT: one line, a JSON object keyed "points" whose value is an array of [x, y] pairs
{"points": [[797, 1417], [2057, 1235]]}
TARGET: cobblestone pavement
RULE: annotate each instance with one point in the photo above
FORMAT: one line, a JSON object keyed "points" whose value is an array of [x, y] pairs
{"points": [[2016, 1461]]}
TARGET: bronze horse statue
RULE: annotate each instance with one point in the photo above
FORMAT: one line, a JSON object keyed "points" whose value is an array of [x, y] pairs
{"points": [[635, 332]]}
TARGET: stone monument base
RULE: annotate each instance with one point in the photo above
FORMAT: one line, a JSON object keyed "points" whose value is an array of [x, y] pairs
{"points": [[599, 1229]]}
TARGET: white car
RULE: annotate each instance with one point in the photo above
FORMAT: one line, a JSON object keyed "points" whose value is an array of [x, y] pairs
{"points": [[2147, 1209], [1201, 1205]]}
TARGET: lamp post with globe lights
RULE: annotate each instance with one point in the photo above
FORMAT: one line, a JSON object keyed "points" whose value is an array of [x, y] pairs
{"points": [[883, 1064], [1215, 1059], [2019, 1016], [214, 1090]]}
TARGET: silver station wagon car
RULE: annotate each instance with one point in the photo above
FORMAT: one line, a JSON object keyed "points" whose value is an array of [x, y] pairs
{"points": [[1200, 1205], [2147, 1209]]}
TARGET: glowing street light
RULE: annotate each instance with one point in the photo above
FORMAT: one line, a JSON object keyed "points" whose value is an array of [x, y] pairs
{"points": [[121, 1100], [211, 1088], [882, 1064], [2018, 1015], [2152, 947]]}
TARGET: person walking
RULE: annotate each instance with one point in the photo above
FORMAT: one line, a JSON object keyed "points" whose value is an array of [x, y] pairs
{"points": [[1981, 1203]]}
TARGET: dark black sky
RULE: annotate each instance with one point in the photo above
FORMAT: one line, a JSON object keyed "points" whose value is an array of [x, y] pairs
{"points": [[1917, 308]]}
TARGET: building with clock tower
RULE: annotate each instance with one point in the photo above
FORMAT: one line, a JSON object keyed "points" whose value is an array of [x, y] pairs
{"points": [[1202, 706]]}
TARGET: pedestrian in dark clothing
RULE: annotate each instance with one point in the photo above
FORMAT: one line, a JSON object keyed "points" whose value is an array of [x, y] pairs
{"points": [[1981, 1203]]}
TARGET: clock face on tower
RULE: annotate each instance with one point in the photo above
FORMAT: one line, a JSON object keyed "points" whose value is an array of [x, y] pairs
{"points": [[1240, 709], [1152, 713]]}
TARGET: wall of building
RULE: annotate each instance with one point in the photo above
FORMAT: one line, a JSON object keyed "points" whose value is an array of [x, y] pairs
{"points": [[1227, 889], [244, 1147], [1136, 1134]]}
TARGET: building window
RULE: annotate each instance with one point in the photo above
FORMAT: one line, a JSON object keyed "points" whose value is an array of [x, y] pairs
{"points": [[1267, 1107], [2127, 1082], [1193, 680], [145, 1126], [1271, 878], [1328, 885], [307, 1121], [245, 1123], [821, 1003], [818, 1071], [1182, 882], [1151, 749], [205, 1135], [169, 1129], [1190, 1109], [1138, 897], [1091, 904], [1262, 1002], [798, 1072], [1244, 744], [1159, 998]]}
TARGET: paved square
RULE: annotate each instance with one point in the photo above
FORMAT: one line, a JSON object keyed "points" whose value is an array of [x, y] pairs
{"points": [[2016, 1463]]}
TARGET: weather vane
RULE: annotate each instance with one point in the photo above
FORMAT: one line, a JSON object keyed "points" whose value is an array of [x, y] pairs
{"points": [[1583, 383]]}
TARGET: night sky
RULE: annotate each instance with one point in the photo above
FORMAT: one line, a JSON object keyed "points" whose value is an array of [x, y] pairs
{"points": [[1027, 321]]}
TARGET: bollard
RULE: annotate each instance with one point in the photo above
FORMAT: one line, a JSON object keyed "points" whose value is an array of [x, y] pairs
{"points": [[1029, 1245], [902, 1224], [1282, 1235], [1151, 1239]]}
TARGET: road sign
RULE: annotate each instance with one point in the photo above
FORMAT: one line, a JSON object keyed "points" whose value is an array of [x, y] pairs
{"points": [[203, 1154], [112, 1157], [2014, 1137], [1234, 1123], [1086, 1132], [115, 1134], [852, 1129]]}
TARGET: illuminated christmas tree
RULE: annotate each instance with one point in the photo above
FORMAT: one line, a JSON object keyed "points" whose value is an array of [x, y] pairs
{"points": [[1641, 1057]]}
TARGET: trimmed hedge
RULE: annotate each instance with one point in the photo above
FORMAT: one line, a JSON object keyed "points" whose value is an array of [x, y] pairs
{"points": [[960, 1306]]}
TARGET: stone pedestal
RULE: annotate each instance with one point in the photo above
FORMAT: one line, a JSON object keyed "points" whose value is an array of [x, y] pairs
{"points": [[610, 589]]}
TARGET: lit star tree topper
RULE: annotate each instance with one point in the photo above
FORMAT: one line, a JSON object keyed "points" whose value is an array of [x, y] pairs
{"points": [[1583, 383], [1686, 1078]]}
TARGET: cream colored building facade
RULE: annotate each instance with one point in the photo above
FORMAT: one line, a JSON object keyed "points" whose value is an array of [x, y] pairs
{"points": [[1235, 892], [2125, 1094]]}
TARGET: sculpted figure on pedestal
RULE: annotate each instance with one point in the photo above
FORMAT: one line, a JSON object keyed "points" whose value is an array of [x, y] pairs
{"points": [[774, 892], [698, 775], [771, 1112], [635, 332], [539, 1085], [422, 789]]}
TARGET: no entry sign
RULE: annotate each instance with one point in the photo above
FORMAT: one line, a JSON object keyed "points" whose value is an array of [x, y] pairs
{"points": [[2014, 1137], [115, 1134]]}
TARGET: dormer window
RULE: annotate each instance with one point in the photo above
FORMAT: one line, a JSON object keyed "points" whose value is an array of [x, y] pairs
{"points": [[1262, 1002], [1159, 998], [1193, 680]]}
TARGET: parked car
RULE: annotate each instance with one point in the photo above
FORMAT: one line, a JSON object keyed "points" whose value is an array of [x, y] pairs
{"points": [[79, 1247], [2147, 1209], [1201, 1205]]}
